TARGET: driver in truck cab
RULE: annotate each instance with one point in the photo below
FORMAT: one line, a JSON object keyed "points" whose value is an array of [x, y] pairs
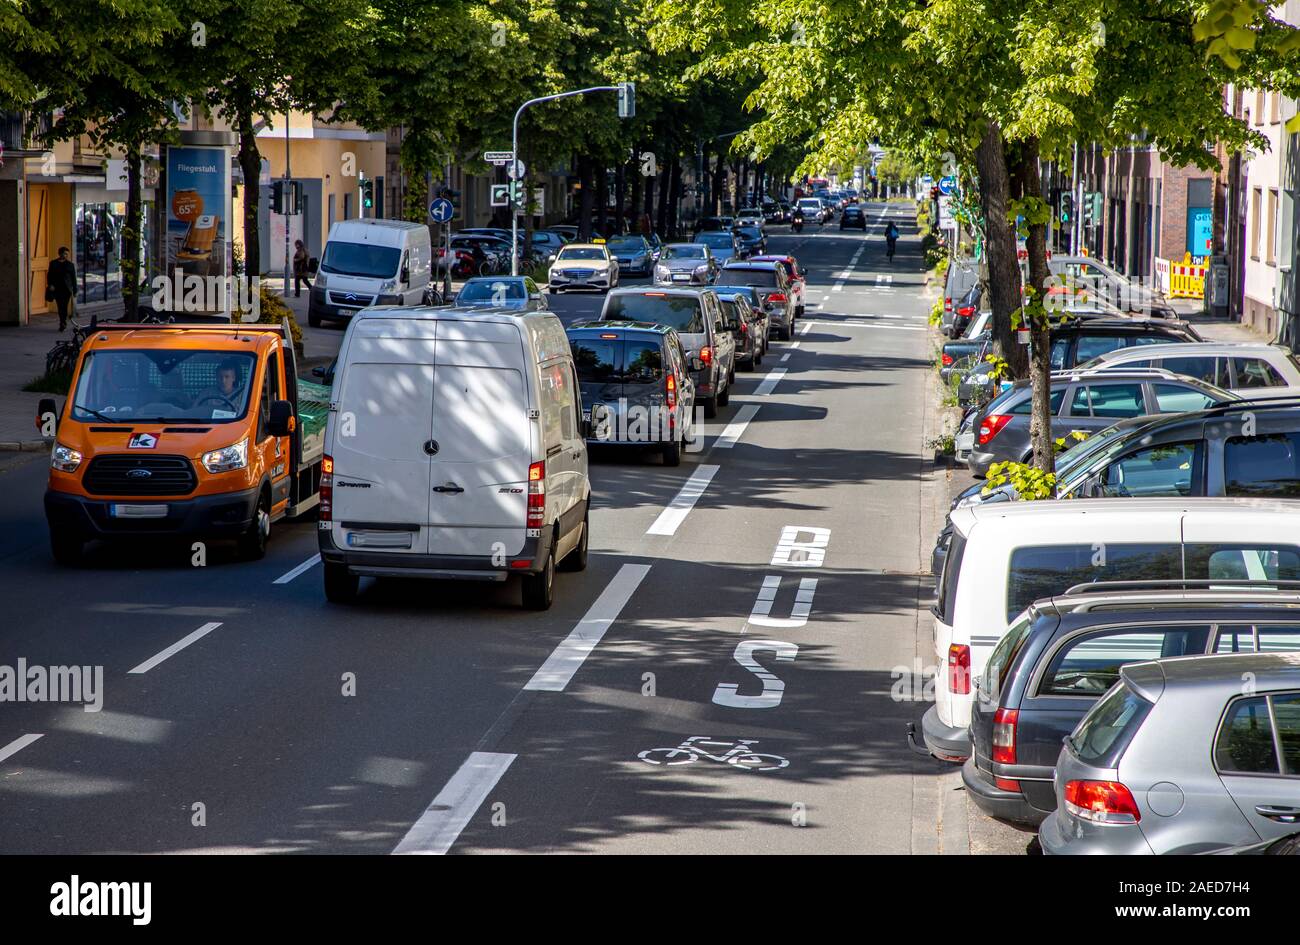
{"points": [[227, 387]]}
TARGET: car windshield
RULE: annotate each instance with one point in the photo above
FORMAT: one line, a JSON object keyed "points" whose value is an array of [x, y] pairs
{"points": [[750, 233], [685, 252], [627, 242], [360, 259], [659, 308], [1100, 738], [717, 240], [163, 384], [578, 252], [492, 290], [759, 277]]}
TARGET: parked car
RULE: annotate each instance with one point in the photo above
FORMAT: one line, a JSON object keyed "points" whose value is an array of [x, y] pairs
{"points": [[724, 245], [641, 374], [685, 264], [1183, 757], [962, 273], [547, 245], [583, 266], [1065, 652], [854, 217], [491, 484], [696, 316], [1079, 340], [570, 232], [1083, 402], [513, 292], [795, 275], [961, 354], [965, 309], [744, 324], [774, 290], [633, 254], [1097, 279], [1004, 556], [753, 241], [370, 262], [1252, 369], [754, 300]]}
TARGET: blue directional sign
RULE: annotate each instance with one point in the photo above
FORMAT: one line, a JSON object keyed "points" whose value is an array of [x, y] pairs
{"points": [[442, 210], [947, 185]]}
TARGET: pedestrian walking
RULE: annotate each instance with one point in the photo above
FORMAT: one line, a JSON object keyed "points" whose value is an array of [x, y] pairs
{"points": [[300, 274], [61, 285]]}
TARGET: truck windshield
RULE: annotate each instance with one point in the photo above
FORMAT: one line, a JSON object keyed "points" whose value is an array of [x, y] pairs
{"points": [[360, 259], [163, 384]]}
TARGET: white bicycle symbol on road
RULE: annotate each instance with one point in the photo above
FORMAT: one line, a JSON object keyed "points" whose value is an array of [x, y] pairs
{"points": [[738, 755]]}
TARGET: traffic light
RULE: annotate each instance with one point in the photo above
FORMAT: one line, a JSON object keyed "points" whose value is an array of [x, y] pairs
{"points": [[626, 99], [1091, 209], [1067, 207], [284, 197], [367, 193]]}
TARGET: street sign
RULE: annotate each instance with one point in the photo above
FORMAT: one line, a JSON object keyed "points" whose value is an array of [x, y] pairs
{"points": [[442, 210], [498, 157], [626, 99], [500, 195], [946, 221], [947, 185], [516, 170], [927, 180]]}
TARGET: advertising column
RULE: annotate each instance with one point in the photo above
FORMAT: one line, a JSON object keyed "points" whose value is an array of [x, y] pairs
{"points": [[197, 246]]}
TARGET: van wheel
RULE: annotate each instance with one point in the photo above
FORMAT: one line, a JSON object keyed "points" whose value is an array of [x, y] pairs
{"points": [[313, 319], [672, 452], [66, 549], [724, 397], [252, 544], [340, 585], [785, 332], [539, 589], [576, 560], [798, 313], [711, 407]]}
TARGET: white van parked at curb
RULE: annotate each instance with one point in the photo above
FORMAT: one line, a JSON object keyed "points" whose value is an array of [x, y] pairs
{"points": [[1005, 556], [455, 449], [370, 262]]}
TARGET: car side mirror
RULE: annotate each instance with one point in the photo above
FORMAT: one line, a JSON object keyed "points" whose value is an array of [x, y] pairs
{"points": [[47, 416], [406, 276], [597, 427], [281, 420]]}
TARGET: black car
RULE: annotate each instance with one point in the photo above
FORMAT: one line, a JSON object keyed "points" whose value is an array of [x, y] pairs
{"points": [[753, 241], [853, 218], [745, 326], [641, 374], [1052, 665], [754, 300]]}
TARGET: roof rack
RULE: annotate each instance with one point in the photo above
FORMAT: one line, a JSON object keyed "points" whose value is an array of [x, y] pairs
{"points": [[1184, 584]]}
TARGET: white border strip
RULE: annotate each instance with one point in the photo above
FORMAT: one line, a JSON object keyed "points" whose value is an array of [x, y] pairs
{"points": [[17, 745], [175, 648], [736, 428], [448, 814], [290, 575], [672, 517]]}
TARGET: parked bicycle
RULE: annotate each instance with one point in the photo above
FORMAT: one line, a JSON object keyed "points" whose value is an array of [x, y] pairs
{"points": [[62, 358]]}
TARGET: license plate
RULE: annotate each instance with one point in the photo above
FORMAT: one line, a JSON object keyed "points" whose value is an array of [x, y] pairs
{"points": [[349, 312], [678, 277], [118, 510]]}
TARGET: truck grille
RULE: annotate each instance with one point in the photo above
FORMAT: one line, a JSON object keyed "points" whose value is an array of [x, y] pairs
{"points": [[126, 475]]}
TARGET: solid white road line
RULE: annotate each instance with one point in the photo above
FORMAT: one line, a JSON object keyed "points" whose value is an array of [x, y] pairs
{"points": [[736, 428], [769, 382], [445, 818], [673, 516], [804, 329], [17, 745], [785, 357], [565, 659], [175, 648], [290, 575]]}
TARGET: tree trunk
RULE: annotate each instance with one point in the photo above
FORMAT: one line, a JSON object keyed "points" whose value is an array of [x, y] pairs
{"points": [[719, 181], [1040, 366], [674, 195], [530, 187], [1000, 248], [585, 200], [250, 162], [620, 195], [131, 231], [634, 199], [661, 212], [602, 198]]}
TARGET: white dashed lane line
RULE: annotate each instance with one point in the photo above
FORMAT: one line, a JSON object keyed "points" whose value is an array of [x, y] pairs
{"points": [[445, 818], [671, 518], [305, 566], [175, 648], [736, 428], [17, 745]]}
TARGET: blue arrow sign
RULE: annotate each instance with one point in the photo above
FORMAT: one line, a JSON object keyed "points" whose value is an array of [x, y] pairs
{"points": [[442, 210], [947, 185]]}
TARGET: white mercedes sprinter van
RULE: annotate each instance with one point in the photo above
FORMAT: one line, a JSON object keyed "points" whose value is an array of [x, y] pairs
{"points": [[455, 449], [370, 262]]}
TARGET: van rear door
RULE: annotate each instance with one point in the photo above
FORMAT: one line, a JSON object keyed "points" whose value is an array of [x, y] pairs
{"points": [[380, 431], [479, 486]]}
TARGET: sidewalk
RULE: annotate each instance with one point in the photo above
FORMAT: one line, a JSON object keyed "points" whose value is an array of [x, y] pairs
{"points": [[1212, 328]]}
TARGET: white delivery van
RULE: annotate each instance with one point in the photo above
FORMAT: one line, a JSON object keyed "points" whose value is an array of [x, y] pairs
{"points": [[455, 449], [1005, 556], [370, 262]]}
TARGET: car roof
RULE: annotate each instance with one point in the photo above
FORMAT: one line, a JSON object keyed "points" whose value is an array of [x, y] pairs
{"points": [[751, 265], [1219, 672], [699, 245], [1058, 516], [584, 246], [693, 292], [1203, 348], [618, 324], [480, 313]]}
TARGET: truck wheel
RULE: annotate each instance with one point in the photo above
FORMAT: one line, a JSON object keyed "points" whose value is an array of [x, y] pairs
{"points": [[340, 585], [252, 544], [66, 549], [576, 560], [539, 589]]}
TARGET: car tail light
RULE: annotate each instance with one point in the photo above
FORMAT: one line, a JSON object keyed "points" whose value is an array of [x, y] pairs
{"points": [[959, 670], [966, 311], [670, 391], [1006, 784], [947, 359], [947, 305], [1102, 802], [326, 510], [991, 426], [744, 328], [537, 495], [706, 354], [1004, 736], [776, 297]]}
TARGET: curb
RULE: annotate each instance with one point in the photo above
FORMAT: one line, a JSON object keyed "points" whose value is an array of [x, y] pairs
{"points": [[26, 446]]}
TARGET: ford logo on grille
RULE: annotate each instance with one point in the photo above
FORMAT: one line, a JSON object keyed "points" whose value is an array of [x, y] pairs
{"points": [[139, 473]]}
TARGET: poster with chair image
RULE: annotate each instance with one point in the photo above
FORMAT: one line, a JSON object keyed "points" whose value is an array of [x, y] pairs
{"points": [[198, 210]]}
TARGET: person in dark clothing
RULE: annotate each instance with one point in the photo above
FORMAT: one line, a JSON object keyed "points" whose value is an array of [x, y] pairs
{"points": [[61, 284], [300, 271]]}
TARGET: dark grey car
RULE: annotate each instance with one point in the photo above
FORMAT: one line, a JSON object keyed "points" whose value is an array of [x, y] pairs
{"points": [[1084, 402], [685, 264], [773, 286]]}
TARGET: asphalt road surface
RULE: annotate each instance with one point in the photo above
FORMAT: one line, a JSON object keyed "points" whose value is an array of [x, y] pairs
{"points": [[718, 680]]}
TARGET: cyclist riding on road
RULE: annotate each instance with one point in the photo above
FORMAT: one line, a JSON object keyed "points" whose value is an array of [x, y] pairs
{"points": [[891, 238]]}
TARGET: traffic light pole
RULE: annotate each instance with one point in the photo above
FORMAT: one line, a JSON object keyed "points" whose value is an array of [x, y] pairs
{"points": [[514, 159], [288, 259]]}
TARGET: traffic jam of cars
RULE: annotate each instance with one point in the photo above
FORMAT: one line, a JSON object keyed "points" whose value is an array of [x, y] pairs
{"points": [[1119, 665]]}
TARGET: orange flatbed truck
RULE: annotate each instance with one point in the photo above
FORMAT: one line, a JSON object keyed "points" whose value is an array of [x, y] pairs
{"points": [[183, 431]]}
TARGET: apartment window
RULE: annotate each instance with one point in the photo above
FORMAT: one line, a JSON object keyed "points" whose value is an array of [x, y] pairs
{"points": [[1255, 198], [1259, 106], [1275, 108], [1270, 234]]}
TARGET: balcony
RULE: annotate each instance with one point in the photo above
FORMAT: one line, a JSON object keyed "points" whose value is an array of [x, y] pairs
{"points": [[20, 133]]}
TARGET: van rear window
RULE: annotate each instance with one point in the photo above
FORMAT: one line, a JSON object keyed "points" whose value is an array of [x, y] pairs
{"points": [[683, 312], [945, 605], [1046, 570], [596, 359]]}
